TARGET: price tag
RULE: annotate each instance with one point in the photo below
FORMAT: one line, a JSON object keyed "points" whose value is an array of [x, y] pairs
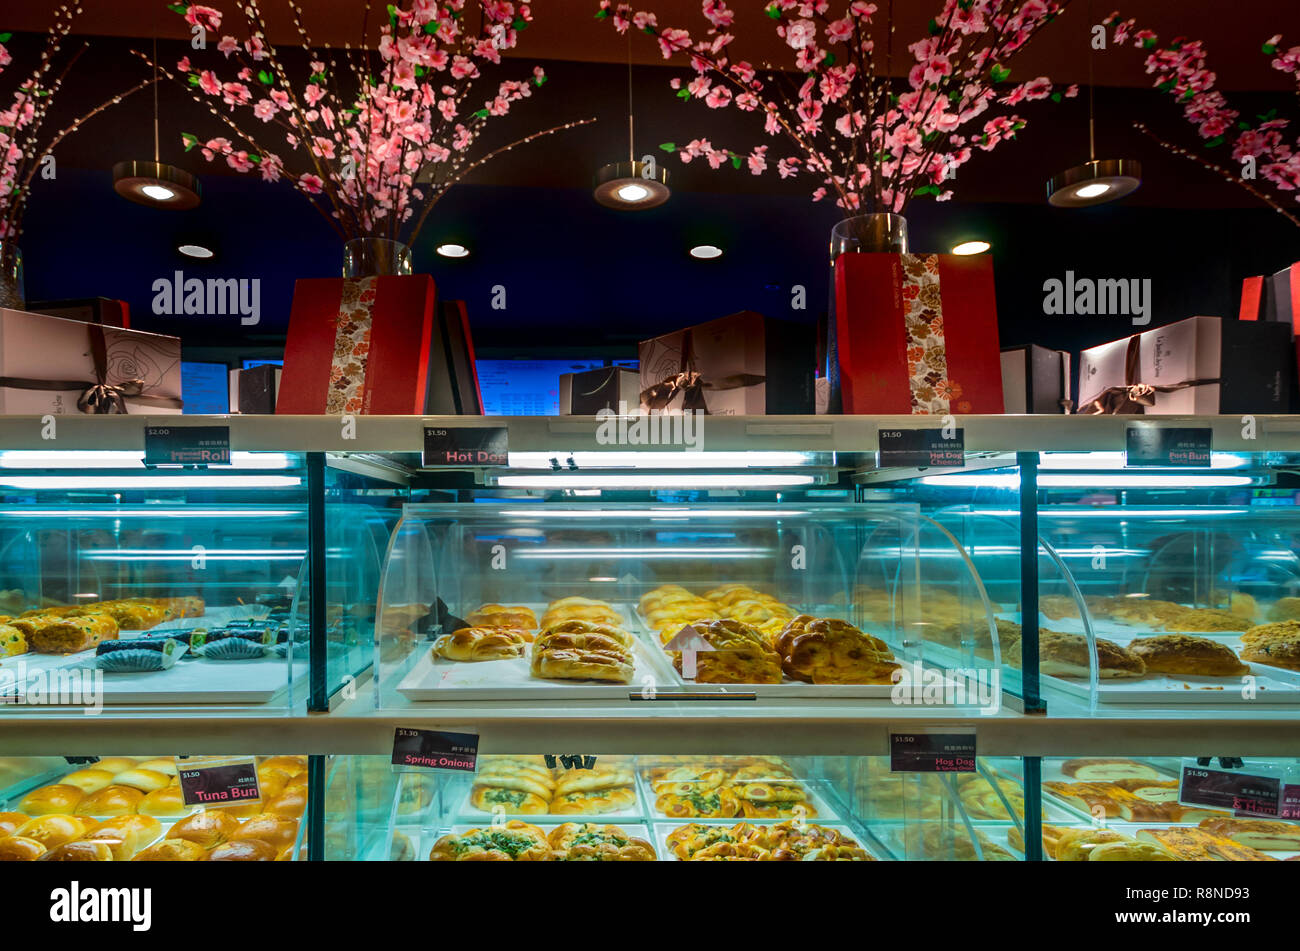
{"points": [[431, 749], [460, 446], [217, 781], [1150, 445], [921, 448], [932, 752], [1290, 808], [1231, 790], [186, 445]]}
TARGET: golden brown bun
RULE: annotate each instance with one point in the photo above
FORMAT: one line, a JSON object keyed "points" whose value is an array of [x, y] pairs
{"points": [[1152, 790], [527, 844], [145, 780], [272, 781], [126, 835], [271, 829], [720, 803], [52, 831], [1184, 654], [167, 803], [51, 800], [489, 798], [785, 809], [1285, 609], [165, 766], [473, 644], [831, 651], [1205, 619], [524, 780], [1197, 845], [208, 829], [10, 822], [579, 628], [115, 764], [589, 780], [241, 810], [82, 850], [587, 842], [501, 615], [173, 850], [88, 780], [244, 850], [17, 848], [290, 804], [293, 765], [1131, 852], [111, 801], [12, 641], [595, 802], [1054, 607], [1075, 844], [684, 780], [1276, 644]]}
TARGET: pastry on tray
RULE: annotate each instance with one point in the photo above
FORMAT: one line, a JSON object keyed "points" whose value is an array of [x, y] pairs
{"points": [[581, 609], [51, 634], [1197, 845], [490, 798], [1108, 770], [739, 655], [585, 655], [1206, 620], [588, 842], [831, 651], [514, 841], [1066, 655], [1276, 644], [1266, 835], [474, 644], [1285, 609], [501, 615], [720, 803], [1051, 835], [593, 802], [12, 641], [1054, 607], [682, 780], [1186, 655]]}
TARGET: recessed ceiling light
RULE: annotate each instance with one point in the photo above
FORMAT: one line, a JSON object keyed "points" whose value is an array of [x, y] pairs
{"points": [[705, 252], [451, 250], [971, 247], [195, 251]]}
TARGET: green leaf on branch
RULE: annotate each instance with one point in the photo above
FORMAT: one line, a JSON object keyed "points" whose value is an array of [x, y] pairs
{"points": [[181, 8], [736, 160], [519, 24], [1216, 141], [1267, 115], [431, 28], [927, 190], [1056, 97], [1243, 125], [192, 79], [668, 146], [6, 37], [265, 78], [602, 14], [254, 158], [540, 80], [189, 140], [683, 94], [1165, 86], [1269, 49], [933, 26], [481, 114], [999, 73], [392, 17], [773, 11], [829, 60]]}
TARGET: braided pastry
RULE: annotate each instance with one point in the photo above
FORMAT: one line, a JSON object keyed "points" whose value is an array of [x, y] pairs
{"points": [[830, 651], [576, 626], [481, 643], [588, 842], [500, 615]]}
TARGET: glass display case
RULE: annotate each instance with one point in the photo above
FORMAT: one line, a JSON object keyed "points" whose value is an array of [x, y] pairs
{"points": [[132, 808], [510, 599], [673, 808]]}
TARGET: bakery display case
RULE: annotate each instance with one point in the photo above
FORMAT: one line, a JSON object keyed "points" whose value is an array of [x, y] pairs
{"points": [[132, 809], [543, 807], [1164, 809], [506, 599]]}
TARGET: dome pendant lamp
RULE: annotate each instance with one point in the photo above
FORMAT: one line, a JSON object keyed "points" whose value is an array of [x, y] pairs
{"points": [[1096, 181], [154, 183], [631, 185]]}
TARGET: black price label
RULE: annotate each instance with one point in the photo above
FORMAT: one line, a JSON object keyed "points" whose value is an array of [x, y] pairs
{"points": [[1168, 446], [932, 752], [1290, 808], [1230, 790], [458, 447], [432, 749], [921, 448], [219, 785], [186, 445]]}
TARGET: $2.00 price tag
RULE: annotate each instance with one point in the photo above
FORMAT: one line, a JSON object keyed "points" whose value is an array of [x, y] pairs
{"points": [[186, 445], [433, 749]]}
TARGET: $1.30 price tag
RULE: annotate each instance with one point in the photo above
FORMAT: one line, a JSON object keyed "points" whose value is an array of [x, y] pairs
{"points": [[433, 749]]}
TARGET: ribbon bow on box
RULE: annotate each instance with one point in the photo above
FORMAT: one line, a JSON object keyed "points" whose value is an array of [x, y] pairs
{"points": [[98, 396], [692, 384], [1133, 396]]}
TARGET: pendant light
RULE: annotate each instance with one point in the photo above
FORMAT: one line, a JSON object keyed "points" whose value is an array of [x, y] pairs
{"points": [[1096, 181], [154, 183], [631, 185]]}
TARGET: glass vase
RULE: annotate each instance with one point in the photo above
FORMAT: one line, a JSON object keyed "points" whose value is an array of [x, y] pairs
{"points": [[12, 292], [375, 257], [878, 233]]}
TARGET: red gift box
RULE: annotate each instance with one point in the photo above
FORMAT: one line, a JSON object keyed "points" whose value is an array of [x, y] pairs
{"points": [[917, 334], [358, 346]]}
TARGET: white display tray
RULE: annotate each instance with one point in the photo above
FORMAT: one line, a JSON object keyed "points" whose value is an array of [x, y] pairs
{"points": [[663, 829], [190, 679], [825, 813], [1131, 829], [894, 838], [1271, 685], [638, 810]]}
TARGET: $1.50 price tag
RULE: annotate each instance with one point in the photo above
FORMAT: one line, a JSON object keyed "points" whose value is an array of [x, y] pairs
{"points": [[433, 749], [932, 752], [218, 781], [921, 448], [1231, 790]]}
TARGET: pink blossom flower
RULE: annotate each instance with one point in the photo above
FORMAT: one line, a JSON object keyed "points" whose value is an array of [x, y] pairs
{"points": [[227, 46], [671, 41], [239, 161], [182, 66], [699, 87], [256, 48], [235, 94], [206, 17], [799, 33], [718, 97], [280, 98], [757, 160], [312, 184], [840, 31], [313, 94], [209, 83], [264, 110]]}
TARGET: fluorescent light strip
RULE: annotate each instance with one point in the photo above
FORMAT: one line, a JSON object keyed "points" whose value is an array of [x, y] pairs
{"points": [[544, 552], [661, 460], [151, 482], [1115, 480], [151, 513], [118, 459], [1117, 459], [653, 514], [651, 481]]}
